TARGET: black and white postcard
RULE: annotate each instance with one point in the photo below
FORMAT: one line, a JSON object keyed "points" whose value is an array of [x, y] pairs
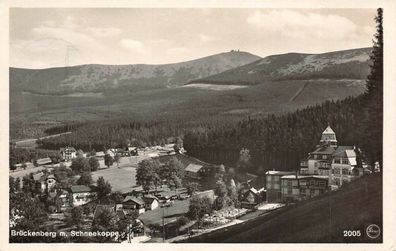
{"points": [[198, 123]]}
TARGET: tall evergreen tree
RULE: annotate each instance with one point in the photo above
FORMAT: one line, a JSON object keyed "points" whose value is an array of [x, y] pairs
{"points": [[373, 121]]}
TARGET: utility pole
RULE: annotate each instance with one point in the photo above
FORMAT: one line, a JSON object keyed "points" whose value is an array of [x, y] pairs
{"points": [[163, 224], [163, 221]]}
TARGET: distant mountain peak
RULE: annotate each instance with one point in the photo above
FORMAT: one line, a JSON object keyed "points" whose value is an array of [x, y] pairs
{"points": [[98, 78], [345, 64]]}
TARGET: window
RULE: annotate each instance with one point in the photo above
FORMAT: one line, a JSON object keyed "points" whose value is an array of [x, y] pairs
{"points": [[345, 171], [295, 183], [337, 161], [345, 161], [312, 182], [269, 178], [315, 156], [322, 183], [303, 182], [276, 178], [324, 156]]}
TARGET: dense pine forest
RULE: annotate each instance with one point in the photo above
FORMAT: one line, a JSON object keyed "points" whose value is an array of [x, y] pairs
{"points": [[278, 142], [114, 133]]}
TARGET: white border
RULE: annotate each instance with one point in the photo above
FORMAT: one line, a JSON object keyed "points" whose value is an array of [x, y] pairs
{"points": [[389, 188]]}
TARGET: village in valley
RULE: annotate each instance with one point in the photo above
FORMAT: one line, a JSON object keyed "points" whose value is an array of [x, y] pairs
{"points": [[161, 194]]}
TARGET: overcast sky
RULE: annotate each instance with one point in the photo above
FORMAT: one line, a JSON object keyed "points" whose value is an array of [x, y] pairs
{"points": [[41, 38]]}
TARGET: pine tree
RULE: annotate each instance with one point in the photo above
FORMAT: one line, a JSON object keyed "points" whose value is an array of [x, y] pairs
{"points": [[373, 121]]}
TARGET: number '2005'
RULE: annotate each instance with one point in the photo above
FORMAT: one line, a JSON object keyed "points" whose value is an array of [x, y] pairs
{"points": [[352, 233]]}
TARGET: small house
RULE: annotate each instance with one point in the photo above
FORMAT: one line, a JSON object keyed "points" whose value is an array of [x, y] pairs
{"points": [[111, 152], [252, 197], [81, 195], [194, 171], [134, 204], [99, 155], [39, 179], [151, 202], [43, 182], [68, 153]]}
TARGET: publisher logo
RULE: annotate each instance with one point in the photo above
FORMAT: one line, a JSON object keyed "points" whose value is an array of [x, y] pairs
{"points": [[373, 231]]}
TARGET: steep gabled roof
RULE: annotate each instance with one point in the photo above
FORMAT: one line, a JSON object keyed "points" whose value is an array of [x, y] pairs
{"points": [[341, 151], [328, 130], [350, 153], [149, 200], [193, 168], [134, 199], [328, 135], [67, 148], [324, 150]]}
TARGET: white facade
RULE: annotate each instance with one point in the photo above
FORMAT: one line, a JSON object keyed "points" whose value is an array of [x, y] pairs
{"points": [[154, 205], [342, 171], [338, 163], [82, 198], [68, 153]]}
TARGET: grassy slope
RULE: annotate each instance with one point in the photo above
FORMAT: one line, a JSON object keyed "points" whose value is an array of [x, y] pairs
{"points": [[265, 97], [323, 219], [117, 78], [184, 104]]}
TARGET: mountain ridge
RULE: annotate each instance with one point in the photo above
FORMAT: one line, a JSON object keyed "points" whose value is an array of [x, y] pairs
{"points": [[97, 77], [345, 64]]}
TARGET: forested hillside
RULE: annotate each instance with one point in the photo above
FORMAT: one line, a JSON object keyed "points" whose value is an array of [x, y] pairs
{"points": [[278, 142]]}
